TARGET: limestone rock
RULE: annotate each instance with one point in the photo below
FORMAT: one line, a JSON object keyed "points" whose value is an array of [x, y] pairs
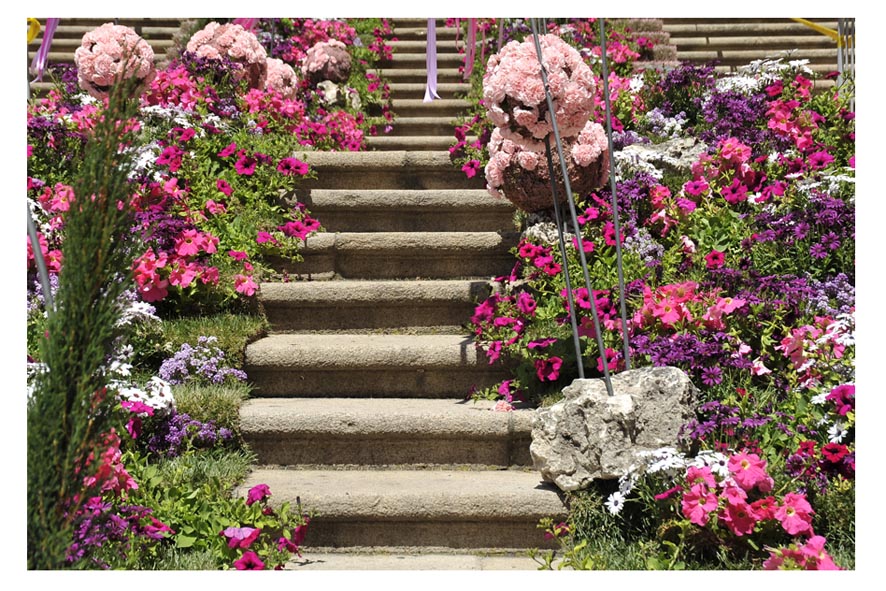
{"points": [[675, 155], [590, 435]]}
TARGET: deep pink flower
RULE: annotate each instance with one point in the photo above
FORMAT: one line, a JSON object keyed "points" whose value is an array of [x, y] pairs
{"points": [[526, 304], [749, 471], [795, 514], [240, 537], [245, 165], [764, 508], [715, 259], [702, 475], [289, 166], [739, 518], [543, 343], [137, 407], [188, 243], [548, 370], [245, 285], [819, 160], [843, 397], [734, 495], [223, 186], [668, 493], [263, 237], [696, 188], [816, 557], [258, 493], [470, 168], [698, 502], [249, 561], [238, 255], [228, 151], [295, 229]]}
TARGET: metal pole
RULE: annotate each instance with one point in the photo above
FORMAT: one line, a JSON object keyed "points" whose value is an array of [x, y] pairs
{"points": [[38, 254], [621, 278], [570, 201]]}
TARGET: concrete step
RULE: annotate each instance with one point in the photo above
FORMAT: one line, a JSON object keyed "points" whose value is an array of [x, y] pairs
{"points": [[416, 107], [756, 42], [412, 126], [419, 74], [407, 33], [417, 508], [405, 255], [417, 59], [380, 432], [368, 366], [745, 56], [399, 169], [344, 304], [387, 559], [444, 46], [443, 210], [731, 27], [412, 143], [417, 89]]}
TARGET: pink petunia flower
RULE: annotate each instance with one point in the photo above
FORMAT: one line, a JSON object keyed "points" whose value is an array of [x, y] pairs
{"points": [[245, 285], [715, 259], [795, 514], [739, 518], [240, 537], [249, 561], [526, 304], [548, 370], [258, 493], [698, 502], [223, 186], [749, 471]]}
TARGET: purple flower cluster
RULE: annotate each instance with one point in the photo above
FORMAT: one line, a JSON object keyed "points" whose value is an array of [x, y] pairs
{"points": [[178, 433], [205, 363], [99, 525], [731, 113]]}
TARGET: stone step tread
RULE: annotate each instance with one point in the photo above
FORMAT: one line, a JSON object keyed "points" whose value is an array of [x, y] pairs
{"points": [[405, 199], [379, 559], [419, 142], [407, 160], [414, 495], [397, 87], [734, 26], [376, 418], [427, 242], [349, 292], [742, 41], [752, 54], [354, 352]]}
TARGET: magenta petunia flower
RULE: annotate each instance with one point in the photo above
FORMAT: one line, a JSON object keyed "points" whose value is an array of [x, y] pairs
{"points": [[470, 168], [702, 475], [258, 493], [263, 237], [289, 166], [240, 537], [137, 407], [526, 304], [228, 151], [548, 370], [223, 186], [249, 561], [245, 165], [739, 518], [715, 259]]}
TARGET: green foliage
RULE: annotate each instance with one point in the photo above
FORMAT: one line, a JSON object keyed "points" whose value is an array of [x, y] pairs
{"points": [[70, 409], [217, 403]]}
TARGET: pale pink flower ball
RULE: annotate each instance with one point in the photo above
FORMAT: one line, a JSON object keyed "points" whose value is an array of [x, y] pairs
{"points": [[514, 95], [236, 43], [327, 60], [281, 78], [109, 52]]}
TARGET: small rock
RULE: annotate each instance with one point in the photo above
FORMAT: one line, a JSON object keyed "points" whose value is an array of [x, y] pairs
{"points": [[590, 435]]}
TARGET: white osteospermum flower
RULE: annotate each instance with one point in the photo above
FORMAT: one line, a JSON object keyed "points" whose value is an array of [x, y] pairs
{"points": [[716, 461], [636, 84], [819, 398], [836, 433], [615, 503]]}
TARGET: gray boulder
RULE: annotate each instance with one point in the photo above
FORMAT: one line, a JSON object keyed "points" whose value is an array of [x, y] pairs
{"points": [[675, 155], [590, 435]]}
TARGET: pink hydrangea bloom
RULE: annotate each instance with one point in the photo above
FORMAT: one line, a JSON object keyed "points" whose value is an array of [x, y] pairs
{"points": [[281, 78], [514, 94], [100, 59], [327, 60], [236, 43]]}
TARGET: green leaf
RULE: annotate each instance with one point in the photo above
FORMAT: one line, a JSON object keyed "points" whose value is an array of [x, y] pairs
{"points": [[183, 541]]}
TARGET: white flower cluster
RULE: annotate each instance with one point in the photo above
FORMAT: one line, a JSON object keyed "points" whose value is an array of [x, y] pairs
{"points": [[157, 394], [668, 462], [630, 164]]}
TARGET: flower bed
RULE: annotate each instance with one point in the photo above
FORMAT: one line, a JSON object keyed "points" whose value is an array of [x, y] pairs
{"points": [[739, 267]]}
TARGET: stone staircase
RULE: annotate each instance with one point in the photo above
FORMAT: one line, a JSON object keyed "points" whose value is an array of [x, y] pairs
{"points": [[735, 42], [360, 387]]}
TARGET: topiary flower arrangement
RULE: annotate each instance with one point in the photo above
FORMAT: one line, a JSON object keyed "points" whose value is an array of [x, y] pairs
{"points": [[111, 52], [230, 40], [281, 78], [327, 60], [514, 96]]}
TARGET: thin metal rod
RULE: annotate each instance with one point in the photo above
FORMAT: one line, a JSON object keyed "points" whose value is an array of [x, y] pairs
{"points": [[571, 202], [570, 298], [621, 275]]}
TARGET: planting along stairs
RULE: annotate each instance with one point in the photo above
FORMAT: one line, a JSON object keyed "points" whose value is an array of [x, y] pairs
{"points": [[359, 409]]}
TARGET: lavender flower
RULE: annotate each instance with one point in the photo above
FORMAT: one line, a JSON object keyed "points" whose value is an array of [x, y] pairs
{"points": [[203, 363]]}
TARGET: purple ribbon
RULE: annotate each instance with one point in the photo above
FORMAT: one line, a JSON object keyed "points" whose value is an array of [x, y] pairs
{"points": [[39, 63], [431, 62], [471, 47], [246, 23]]}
